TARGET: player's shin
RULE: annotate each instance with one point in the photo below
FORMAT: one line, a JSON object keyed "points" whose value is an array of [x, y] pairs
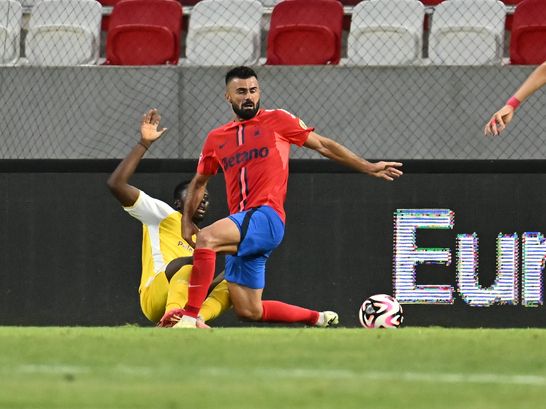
{"points": [[204, 263], [276, 311]]}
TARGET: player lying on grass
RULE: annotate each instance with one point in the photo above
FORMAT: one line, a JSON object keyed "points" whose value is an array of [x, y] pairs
{"points": [[166, 257], [504, 116]]}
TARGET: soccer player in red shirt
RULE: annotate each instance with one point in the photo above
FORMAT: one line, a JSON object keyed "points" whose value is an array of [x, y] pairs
{"points": [[253, 151]]}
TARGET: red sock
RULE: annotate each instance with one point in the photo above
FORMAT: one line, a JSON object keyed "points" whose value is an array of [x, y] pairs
{"points": [[204, 263], [276, 311]]}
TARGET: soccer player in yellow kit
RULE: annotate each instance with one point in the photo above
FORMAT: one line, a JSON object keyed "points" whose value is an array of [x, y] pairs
{"points": [[166, 257]]}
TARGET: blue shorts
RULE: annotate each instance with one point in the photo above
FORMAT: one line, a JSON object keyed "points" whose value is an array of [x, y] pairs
{"points": [[262, 231]]}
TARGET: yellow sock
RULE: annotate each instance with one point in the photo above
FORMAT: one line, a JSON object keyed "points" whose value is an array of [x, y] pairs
{"points": [[178, 288], [216, 303]]}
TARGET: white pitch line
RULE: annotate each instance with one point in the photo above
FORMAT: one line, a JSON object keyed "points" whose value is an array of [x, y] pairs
{"points": [[484, 378], [299, 373], [49, 369], [429, 377]]}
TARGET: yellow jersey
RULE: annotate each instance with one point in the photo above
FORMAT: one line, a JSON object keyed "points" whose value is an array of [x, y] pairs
{"points": [[161, 236]]}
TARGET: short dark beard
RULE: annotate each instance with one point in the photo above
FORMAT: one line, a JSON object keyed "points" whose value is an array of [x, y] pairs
{"points": [[246, 114]]}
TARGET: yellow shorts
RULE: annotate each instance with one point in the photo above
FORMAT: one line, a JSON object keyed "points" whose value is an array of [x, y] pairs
{"points": [[154, 297]]}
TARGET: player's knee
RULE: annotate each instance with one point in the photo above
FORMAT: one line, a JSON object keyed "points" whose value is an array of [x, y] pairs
{"points": [[248, 313]]}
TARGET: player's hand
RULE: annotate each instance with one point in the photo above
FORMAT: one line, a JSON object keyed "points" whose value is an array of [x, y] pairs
{"points": [[387, 170], [188, 231], [149, 127], [499, 120]]}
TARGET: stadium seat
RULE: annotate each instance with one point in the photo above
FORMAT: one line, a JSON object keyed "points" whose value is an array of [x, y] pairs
{"points": [[64, 32], [11, 14], [386, 32], [467, 32], [112, 3], [144, 32], [527, 45], [305, 33], [224, 32]]}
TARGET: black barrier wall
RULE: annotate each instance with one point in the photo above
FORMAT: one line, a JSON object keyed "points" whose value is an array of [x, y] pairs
{"points": [[71, 255]]}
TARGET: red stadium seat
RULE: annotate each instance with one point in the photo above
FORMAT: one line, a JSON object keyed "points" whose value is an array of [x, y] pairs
{"points": [[112, 3], [529, 33], [144, 32], [304, 32]]}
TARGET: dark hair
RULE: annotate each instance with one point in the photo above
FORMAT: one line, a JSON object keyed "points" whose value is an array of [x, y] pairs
{"points": [[240, 72], [179, 188]]}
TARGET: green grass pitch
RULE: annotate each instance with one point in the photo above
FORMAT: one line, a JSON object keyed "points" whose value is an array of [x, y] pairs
{"points": [[222, 368]]}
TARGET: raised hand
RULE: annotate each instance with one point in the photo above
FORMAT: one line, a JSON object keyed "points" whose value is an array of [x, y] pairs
{"points": [[149, 126]]}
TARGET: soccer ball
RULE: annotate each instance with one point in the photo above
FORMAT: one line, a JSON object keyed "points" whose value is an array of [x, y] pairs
{"points": [[381, 311]]}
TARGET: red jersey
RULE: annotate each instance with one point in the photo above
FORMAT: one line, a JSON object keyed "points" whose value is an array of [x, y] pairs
{"points": [[254, 157]]}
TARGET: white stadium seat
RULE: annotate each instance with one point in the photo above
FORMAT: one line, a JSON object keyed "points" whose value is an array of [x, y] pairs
{"points": [[467, 32], [386, 32], [64, 32], [11, 14], [224, 32]]}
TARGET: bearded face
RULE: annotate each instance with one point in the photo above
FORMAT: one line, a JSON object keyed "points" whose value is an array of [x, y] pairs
{"points": [[243, 94]]}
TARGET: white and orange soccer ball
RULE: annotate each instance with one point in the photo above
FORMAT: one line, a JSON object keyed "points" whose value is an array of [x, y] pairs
{"points": [[381, 311]]}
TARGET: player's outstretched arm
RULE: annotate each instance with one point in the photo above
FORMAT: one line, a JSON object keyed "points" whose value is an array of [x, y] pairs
{"points": [[497, 123], [194, 195], [118, 182], [335, 151]]}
